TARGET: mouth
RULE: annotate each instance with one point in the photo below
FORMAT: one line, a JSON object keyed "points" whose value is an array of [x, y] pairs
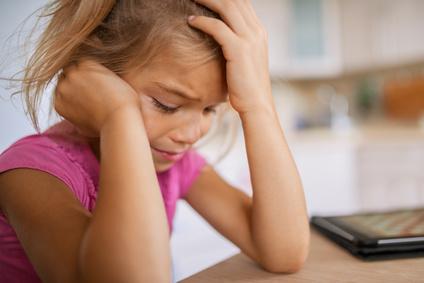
{"points": [[169, 155]]}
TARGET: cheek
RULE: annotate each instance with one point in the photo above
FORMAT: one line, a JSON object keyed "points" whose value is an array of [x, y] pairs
{"points": [[156, 124], [151, 118], [206, 125]]}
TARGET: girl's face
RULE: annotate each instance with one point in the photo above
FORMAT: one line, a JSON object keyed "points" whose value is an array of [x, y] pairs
{"points": [[178, 104]]}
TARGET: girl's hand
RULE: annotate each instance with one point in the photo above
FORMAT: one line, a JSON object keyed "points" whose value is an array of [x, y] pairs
{"points": [[87, 93], [244, 44]]}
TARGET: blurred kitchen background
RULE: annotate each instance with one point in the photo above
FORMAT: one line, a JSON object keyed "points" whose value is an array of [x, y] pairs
{"points": [[348, 82]]}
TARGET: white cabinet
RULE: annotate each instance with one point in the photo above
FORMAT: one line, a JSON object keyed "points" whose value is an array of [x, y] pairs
{"points": [[312, 39], [326, 167], [381, 33], [303, 37], [363, 171], [390, 174]]}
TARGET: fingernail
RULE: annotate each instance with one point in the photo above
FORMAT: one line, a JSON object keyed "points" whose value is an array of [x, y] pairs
{"points": [[190, 18]]}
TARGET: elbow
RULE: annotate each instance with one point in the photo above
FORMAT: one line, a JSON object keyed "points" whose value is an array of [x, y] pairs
{"points": [[287, 267], [288, 261]]}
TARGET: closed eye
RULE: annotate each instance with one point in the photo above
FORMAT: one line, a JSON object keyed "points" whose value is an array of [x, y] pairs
{"points": [[169, 110], [164, 108]]}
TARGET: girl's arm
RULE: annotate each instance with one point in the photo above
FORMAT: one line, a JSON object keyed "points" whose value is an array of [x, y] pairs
{"points": [[272, 228], [126, 238], [278, 218]]}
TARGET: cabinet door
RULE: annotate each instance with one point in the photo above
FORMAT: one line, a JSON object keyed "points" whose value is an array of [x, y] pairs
{"points": [[398, 31], [390, 175], [313, 38], [304, 38], [327, 172], [381, 33]]}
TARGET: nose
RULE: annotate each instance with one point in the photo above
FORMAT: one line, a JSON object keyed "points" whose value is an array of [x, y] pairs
{"points": [[191, 131]]}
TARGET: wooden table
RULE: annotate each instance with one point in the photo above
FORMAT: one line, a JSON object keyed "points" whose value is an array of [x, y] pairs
{"points": [[327, 262]]}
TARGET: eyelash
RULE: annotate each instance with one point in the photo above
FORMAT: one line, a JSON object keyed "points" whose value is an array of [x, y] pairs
{"points": [[169, 110], [163, 107]]}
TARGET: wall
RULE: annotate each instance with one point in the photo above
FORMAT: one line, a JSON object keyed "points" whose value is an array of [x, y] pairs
{"points": [[13, 122]]}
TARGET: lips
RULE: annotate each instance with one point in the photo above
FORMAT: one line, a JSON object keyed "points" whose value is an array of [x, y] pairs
{"points": [[169, 155]]}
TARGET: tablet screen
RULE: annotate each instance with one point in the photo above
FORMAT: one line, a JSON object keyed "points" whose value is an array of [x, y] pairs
{"points": [[405, 223]]}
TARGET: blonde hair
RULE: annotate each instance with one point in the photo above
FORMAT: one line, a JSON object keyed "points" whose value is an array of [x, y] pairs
{"points": [[120, 34]]}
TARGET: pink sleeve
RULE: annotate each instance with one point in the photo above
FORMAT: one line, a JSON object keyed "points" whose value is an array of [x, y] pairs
{"points": [[190, 169], [40, 153]]}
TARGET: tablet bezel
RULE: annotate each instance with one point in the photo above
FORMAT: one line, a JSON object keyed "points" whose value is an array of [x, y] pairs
{"points": [[335, 225]]}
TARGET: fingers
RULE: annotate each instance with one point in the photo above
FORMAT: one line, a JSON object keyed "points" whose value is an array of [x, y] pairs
{"points": [[247, 12], [62, 88], [58, 94], [228, 12], [84, 65], [58, 102], [214, 27], [252, 14], [89, 64], [237, 14], [67, 71]]}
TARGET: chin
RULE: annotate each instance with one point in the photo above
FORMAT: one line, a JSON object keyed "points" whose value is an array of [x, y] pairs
{"points": [[160, 167]]}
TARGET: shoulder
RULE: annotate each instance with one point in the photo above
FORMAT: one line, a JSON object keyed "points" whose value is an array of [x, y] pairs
{"points": [[35, 151], [41, 152]]}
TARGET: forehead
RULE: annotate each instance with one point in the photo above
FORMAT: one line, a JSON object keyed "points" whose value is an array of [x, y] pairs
{"points": [[202, 82]]}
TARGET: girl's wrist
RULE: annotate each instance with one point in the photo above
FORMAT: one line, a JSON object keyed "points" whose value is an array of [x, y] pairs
{"points": [[123, 115], [258, 112]]}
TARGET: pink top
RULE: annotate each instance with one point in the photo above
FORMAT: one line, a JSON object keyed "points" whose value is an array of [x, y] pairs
{"points": [[74, 163]]}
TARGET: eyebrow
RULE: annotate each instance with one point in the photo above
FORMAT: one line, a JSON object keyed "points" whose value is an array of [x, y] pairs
{"points": [[175, 91]]}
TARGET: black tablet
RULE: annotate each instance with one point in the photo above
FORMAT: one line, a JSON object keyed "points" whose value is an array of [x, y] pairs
{"points": [[377, 235]]}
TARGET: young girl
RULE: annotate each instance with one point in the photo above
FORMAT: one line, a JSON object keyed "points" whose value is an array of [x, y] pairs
{"points": [[92, 198]]}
